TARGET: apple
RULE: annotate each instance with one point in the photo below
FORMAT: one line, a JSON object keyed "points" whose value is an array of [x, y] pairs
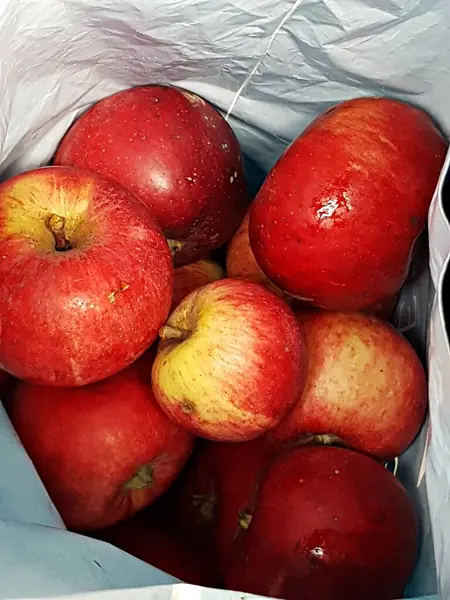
{"points": [[103, 451], [328, 524], [337, 218], [153, 540], [365, 386], [85, 277], [241, 262], [213, 498], [231, 361], [176, 153], [190, 277], [385, 308]]}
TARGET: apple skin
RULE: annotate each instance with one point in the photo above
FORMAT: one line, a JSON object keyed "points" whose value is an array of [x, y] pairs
{"points": [[149, 537], [241, 262], [365, 385], [337, 218], [103, 451], [72, 317], [213, 498], [385, 308], [231, 361], [176, 153], [329, 524], [190, 277]]}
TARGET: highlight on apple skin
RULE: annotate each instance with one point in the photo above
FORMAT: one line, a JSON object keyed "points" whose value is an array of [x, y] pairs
{"points": [[231, 361], [365, 386], [86, 277]]}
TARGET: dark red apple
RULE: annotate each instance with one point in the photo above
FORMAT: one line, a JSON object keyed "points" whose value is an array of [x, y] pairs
{"points": [[103, 451], [176, 153], [214, 497], [329, 524], [365, 385], [152, 539], [85, 277], [337, 218]]}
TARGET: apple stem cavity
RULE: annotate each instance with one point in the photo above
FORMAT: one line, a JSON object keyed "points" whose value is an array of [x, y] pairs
{"points": [[175, 246], [324, 439], [143, 478], [167, 332], [244, 519], [57, 226]]}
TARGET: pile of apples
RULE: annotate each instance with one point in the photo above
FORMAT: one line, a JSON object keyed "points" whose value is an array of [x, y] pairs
{"points": [[226, 417]]}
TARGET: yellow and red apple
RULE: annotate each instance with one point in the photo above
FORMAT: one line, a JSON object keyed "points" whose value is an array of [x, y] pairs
{"points": [[231, 361], [85, 277]]}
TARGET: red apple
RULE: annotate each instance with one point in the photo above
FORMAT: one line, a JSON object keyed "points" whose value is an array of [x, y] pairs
{"points": [[365, 385], [241, 262], [213, 499], [385, 308], [85, 277], [103, 451], [231, 361], [190, 277], [329, 524], [337, 218], [176, 153], [149, 538]]}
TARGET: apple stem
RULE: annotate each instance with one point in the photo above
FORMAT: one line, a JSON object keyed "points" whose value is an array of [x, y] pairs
{"points": [[174, 246], [167, 332], [244, 519], [142, 479], [57, 225]]}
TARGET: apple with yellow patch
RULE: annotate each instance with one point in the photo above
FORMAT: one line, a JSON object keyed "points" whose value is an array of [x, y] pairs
{"points": [[190, 277], [86, 277], [231, 361], [241, 262], [366, 386]]}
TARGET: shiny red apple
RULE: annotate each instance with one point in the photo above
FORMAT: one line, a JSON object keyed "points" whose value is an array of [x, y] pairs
{"points": [[231, 361], [365, 385], [85, 277], [328, 524], [103, 451], [176, 153], [337, 218]]}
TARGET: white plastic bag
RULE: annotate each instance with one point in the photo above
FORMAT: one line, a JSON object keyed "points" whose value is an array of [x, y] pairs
{"points": [[271, 67]]}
